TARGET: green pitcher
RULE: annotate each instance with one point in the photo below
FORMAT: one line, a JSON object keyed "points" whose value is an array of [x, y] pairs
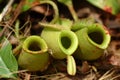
{"points": [[60, 43], [93, 40], [34, 55]]}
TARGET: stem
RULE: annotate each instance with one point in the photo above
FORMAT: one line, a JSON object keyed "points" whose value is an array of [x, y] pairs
{"points": [[69, 4], [74, 14], [18, 48], [56, 16], [16, 51], [17, 29]]}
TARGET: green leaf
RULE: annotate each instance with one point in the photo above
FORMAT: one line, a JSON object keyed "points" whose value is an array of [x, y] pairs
{"points": [[111, 6], [8, 63]]}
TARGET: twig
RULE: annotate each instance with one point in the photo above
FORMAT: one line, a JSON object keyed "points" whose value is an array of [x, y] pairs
{"points": [[6, 9], [14, 17], [16, 12], [107, 75], [118, 76], [2, 32]]}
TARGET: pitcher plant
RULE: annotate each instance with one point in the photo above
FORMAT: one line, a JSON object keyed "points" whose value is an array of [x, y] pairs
{"points": [[93, 40], [61, 43], [34, 55]]}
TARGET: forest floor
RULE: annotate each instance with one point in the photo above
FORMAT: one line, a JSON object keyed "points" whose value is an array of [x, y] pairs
{"points": [[105, 68]]}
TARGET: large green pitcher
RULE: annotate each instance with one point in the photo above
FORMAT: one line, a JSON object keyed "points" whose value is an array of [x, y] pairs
{"points": [[60, 43], [93, 40]]}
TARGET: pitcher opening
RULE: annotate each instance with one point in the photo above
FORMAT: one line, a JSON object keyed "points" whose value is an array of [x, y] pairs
{"points": [[34, 46], [97, 37], [66, 42]]}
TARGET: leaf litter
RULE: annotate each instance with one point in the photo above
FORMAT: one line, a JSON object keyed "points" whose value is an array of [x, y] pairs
{"points": [[106, 68]]}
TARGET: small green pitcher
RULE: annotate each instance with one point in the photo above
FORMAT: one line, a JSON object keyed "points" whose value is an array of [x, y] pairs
{"points": [[93, 40], [34, 55]]}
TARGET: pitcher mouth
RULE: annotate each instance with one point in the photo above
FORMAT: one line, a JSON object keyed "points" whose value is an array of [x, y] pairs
{"points": [[98, 36], [35, 45], [68, 42]]}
